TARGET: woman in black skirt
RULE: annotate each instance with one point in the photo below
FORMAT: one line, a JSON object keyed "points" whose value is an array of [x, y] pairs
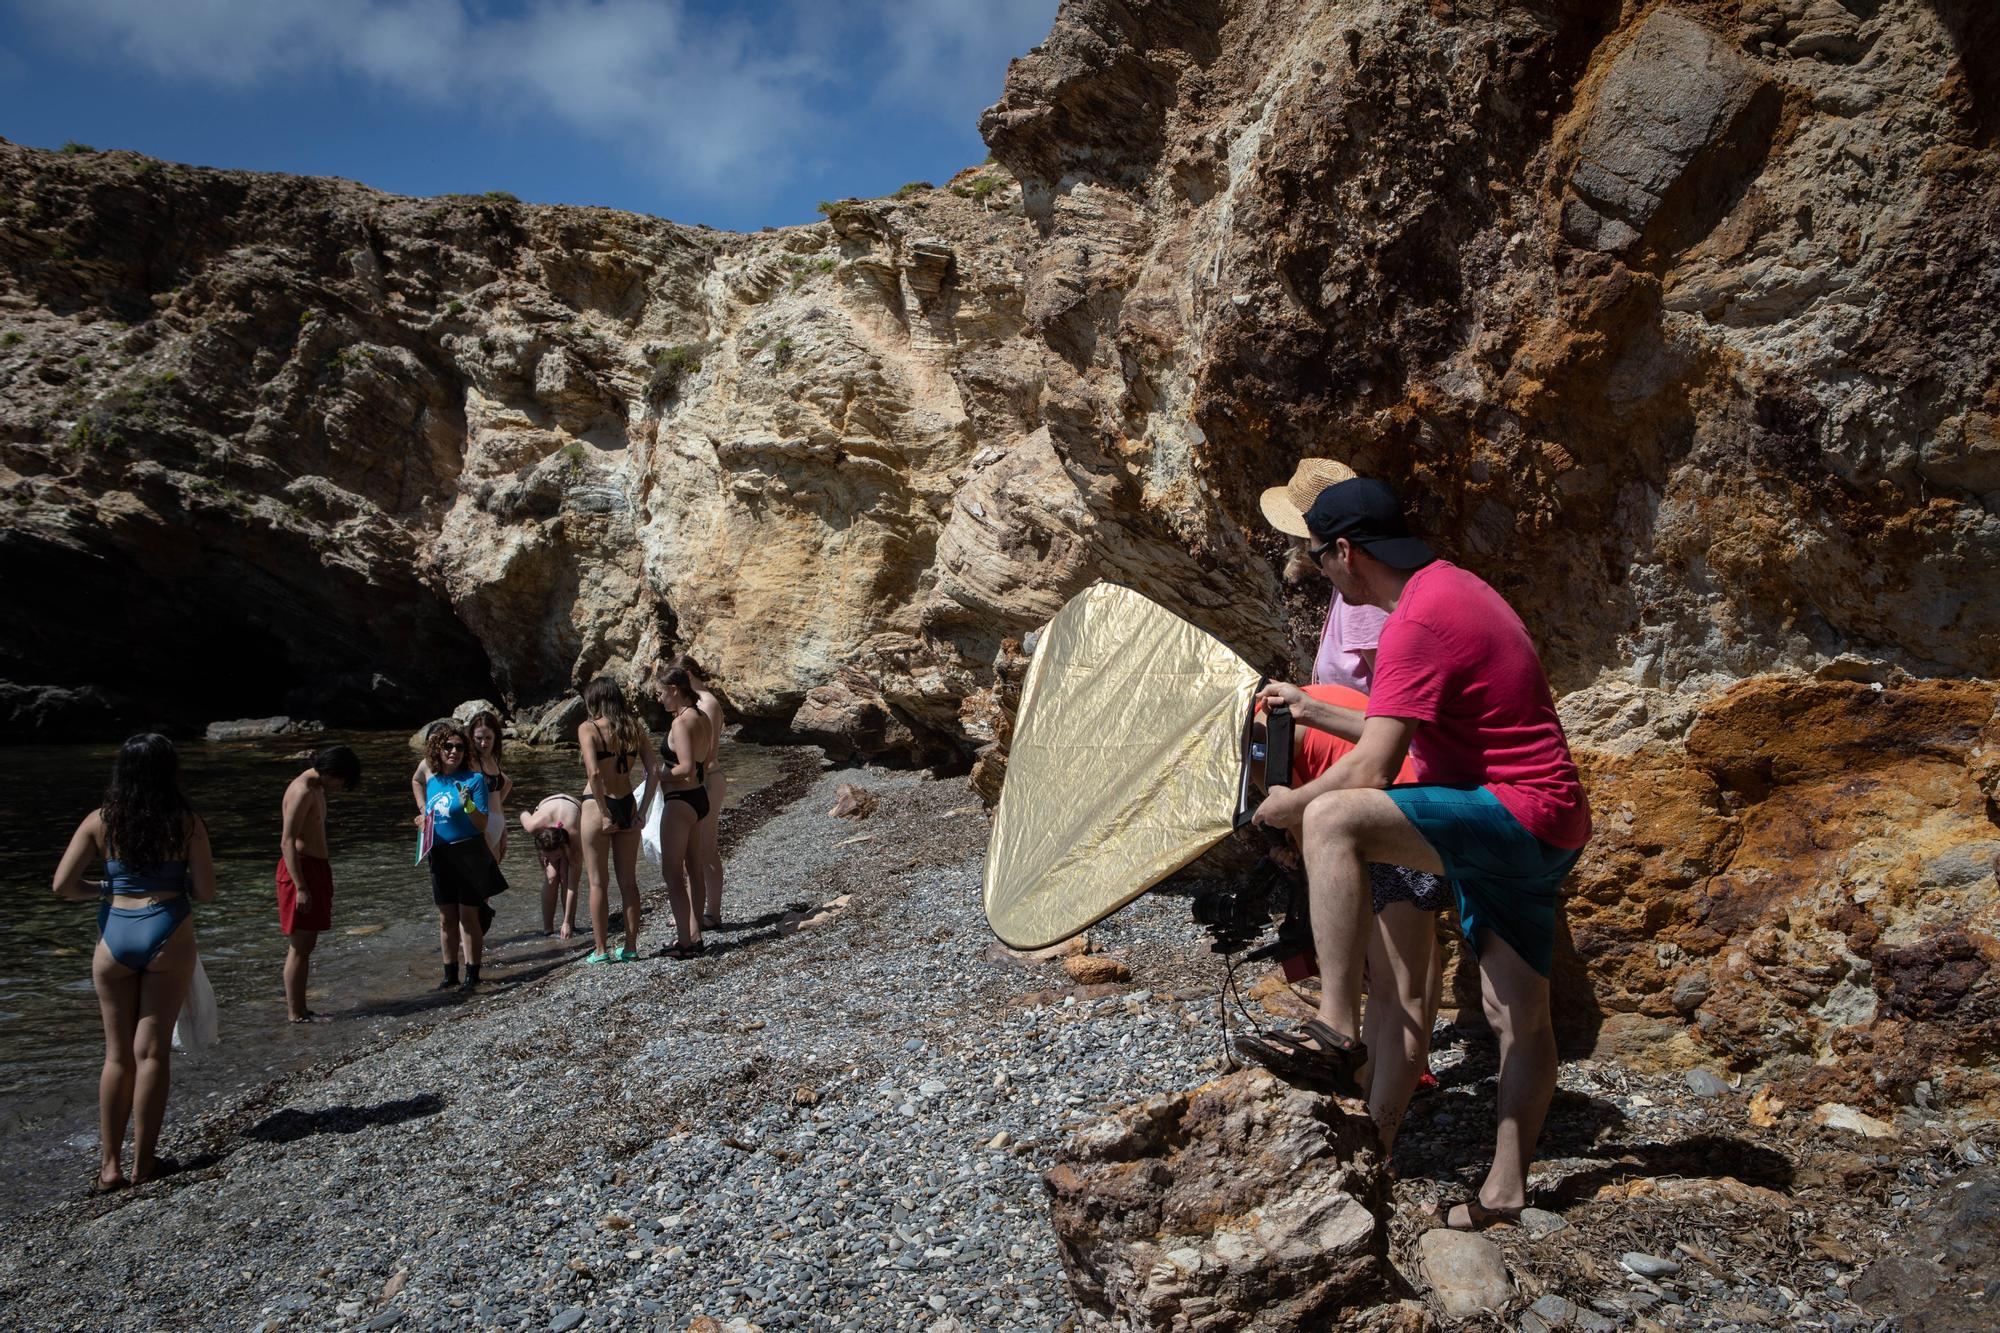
{"points": [[463, 872]]}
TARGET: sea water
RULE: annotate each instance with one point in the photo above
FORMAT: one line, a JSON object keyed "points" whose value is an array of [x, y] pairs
{"points": [[373, 971]]}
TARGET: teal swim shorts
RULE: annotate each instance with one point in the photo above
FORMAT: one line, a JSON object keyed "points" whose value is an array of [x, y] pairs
{"points": [[1505, 879]]}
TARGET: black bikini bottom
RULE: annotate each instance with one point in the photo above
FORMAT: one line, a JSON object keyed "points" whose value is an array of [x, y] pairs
{"points": [[624, 811], [694, 796]]}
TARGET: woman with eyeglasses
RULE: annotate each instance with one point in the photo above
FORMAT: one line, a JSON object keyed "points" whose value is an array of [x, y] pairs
{"points": [[463, 872], [156, 858]]}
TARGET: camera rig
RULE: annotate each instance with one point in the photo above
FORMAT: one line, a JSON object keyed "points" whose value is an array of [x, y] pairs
{"points": [[1236, 915]]}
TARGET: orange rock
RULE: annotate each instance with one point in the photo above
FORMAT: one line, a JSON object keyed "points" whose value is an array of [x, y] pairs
{"points": [[1096, 969]]}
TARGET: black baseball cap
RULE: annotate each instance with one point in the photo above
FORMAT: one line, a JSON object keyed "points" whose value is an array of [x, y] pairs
{"points": [[1370, 516]]}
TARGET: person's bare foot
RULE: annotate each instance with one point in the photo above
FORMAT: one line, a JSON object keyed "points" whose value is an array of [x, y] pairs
{"points": [[310, 1017], [107, 1183], [146, 1172]]}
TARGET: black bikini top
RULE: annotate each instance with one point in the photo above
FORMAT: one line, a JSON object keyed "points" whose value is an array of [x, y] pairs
{"points": [[667, 752], [624, 756]]}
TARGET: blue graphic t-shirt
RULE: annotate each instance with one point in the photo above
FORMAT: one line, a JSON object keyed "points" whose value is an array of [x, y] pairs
{"points": [[441, 798]]}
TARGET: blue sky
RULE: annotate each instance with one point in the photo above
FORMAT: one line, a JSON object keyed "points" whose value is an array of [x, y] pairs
{"points": [[737, 115]]}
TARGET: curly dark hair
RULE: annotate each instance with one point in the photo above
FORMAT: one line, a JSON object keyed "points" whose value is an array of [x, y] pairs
{"points": [[434, 747], [147, 819]]}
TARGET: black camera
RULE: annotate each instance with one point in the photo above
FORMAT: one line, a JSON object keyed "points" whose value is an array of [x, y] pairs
{"points": [[1236, 916], [1241, 913]]}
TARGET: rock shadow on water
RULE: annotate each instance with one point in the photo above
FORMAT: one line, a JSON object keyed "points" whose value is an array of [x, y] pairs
{"points": [[290, 1125]]}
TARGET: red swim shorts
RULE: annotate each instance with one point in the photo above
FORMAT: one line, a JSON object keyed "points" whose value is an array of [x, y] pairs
{"points": [[1314, 752], [319, 880]]}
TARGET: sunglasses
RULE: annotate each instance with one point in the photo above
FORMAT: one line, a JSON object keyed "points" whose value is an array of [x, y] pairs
{"points": [[1319, 553], [449, 746]]}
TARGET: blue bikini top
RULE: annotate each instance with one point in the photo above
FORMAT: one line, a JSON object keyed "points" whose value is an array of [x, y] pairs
{"points": [[167, 877]]}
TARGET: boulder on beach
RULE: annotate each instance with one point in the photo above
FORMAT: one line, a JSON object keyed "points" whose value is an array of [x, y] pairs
{"points": [[261, 728], [1246, 1203], [554, 724], [462, 715]]}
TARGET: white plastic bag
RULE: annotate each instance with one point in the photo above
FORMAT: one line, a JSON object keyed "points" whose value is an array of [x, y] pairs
{"points": [[195, 1030], [649, 835]]}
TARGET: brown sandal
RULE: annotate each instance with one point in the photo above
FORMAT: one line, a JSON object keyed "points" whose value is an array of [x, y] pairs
{"points": [[1328, 1064], [1478, 1216]]}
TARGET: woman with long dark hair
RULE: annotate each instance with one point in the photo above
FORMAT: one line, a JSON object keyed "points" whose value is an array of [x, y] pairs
{"points": [[707, 846], [690, 739], [463, 874], [156, 857], [611, 739], [484, 732]]}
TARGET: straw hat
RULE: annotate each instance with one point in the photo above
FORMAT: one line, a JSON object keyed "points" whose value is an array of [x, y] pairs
{"points": [[1285, 506]]}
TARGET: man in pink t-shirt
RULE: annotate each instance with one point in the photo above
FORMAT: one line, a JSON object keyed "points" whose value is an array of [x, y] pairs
{"points": [[1498, 810]]}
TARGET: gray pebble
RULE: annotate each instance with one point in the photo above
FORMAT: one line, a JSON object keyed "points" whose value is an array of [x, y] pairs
{"points": [[1706, 1083], [567, 1320], [1648, 1265]]}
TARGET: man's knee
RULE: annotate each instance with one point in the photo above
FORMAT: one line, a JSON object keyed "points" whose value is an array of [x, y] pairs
{"points": [[302, 941], [1331, 820]]}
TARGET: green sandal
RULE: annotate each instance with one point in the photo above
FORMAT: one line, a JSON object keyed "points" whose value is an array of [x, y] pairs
{"points": [[625, 955], [601, 958]]}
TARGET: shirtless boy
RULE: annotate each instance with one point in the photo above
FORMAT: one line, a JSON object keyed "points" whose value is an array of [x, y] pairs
{"points": [[305, 876]]}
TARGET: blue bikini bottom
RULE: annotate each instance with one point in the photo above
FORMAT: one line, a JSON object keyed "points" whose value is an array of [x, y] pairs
{"points": [[135, 935]]}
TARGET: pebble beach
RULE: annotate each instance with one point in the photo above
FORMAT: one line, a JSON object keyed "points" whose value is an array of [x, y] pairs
{"points": [[833, 1120]]}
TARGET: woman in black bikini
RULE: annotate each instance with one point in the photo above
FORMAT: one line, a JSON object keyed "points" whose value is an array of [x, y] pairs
{"points": [[685, 788], [612, 814]]}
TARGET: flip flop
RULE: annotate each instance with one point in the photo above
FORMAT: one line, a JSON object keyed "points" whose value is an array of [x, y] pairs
{"points": [[684, 952], [1478, 1216], [102, 1186]]}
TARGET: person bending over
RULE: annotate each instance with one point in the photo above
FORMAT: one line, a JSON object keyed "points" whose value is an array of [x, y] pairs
{"points": [[555, 826], [1499, 809], [305, 875], [156, 857]]}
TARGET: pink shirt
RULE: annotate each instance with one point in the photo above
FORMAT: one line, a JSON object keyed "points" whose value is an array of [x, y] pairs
{"points": [[1349, 629], [1456, 658]]}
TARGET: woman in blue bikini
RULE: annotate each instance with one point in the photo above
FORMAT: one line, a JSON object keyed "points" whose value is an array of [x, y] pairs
{"points": [[156, 857]]}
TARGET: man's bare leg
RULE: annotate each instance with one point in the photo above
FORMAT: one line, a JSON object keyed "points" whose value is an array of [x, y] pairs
{"points": [[1399, 956], [1516, 999], [298, 972], [1343, 830]]}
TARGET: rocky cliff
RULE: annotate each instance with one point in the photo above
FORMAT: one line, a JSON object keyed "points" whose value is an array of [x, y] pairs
{"points": [[1671, 319]]}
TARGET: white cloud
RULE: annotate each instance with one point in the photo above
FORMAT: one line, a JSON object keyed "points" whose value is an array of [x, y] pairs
{"points": [[723, 107], [950, 55], [692, 101]]}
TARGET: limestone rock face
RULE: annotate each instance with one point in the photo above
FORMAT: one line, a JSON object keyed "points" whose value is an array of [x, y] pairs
{"points": [[1673, 321], [1245, 1204]]}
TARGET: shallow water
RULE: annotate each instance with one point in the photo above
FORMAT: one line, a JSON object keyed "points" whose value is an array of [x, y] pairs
{"points": [[374, 969]]}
